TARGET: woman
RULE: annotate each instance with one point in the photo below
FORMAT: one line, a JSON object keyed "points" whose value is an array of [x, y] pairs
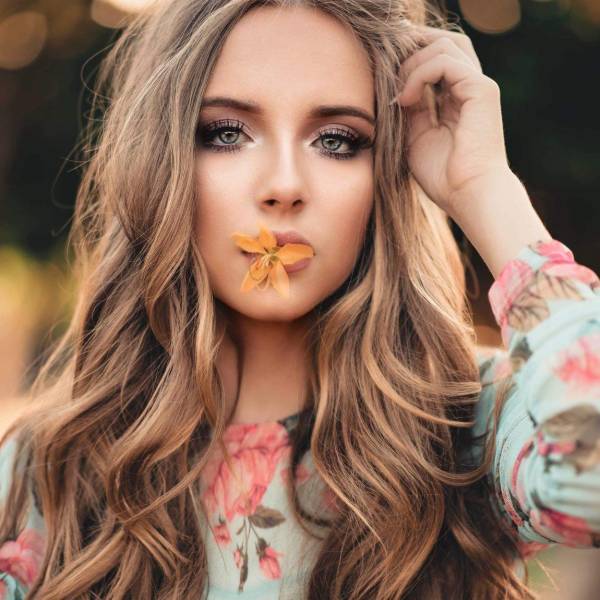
{"points": [[222, 423]]}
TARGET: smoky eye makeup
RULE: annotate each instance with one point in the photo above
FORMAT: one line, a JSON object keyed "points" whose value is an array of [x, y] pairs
{"points": [[225, 135]]}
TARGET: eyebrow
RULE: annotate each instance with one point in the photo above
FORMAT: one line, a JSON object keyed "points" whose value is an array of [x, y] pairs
{"points": [[317, 112]]}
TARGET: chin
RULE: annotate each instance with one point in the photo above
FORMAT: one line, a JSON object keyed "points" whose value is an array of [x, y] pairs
{"points": [[268, 305]]}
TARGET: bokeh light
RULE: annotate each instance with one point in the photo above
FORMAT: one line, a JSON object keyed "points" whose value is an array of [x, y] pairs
{"points": [[22, 38], [105, 13], [491, 17], [116, 13], [131, 5]]}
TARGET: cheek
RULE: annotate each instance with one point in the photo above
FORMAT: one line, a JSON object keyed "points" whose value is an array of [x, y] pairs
{"points": [[346, 240], [344, 234], [348, 215], [213, 227], [218, 201]]}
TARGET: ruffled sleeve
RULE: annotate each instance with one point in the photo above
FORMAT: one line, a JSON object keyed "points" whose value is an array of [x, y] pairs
{"points": [[20, 557], [546, 468]]}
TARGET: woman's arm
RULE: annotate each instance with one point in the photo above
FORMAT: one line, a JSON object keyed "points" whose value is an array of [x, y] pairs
{"points": [[546, 469]]}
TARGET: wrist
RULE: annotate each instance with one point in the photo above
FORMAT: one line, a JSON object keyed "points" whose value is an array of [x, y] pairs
{"points": [[500, 182], [496, 215]]}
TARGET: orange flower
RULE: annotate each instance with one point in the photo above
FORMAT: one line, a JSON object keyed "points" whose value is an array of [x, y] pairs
{"points": [[268, 265]]}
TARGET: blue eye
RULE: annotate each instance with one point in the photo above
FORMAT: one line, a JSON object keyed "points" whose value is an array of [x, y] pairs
{"points": [[228, 132], [354, 142], [206, 135]]}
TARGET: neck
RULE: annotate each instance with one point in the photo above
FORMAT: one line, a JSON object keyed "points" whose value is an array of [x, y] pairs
{"points": [[264, 367]]}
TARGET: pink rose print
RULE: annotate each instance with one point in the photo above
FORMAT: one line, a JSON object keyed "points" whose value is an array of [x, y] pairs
{"points": [[553, 249], [221, 533], [507, 286], [269, 564], [511, 506], [22, 558], [547, 448], [520, 296], [515, 482], [574, 530], [238, 558], [571, 271], [574, 435], [255, 452], [2, 590], [580, 364]]}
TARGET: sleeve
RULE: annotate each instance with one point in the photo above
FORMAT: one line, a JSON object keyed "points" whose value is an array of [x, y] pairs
{"points": [[546, 468], [21, 557]]}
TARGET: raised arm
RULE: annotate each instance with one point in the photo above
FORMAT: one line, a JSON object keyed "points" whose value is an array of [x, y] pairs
{"points": [[546, 469]]}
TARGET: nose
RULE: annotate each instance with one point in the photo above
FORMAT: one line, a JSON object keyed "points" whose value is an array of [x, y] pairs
{"points": [[283, 181]]}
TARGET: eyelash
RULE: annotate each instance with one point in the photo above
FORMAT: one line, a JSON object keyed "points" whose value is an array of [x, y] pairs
{"points": [[209, 132]]}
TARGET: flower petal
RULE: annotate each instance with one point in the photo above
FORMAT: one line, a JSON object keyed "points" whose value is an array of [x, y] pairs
{"points": [[266, 238], [247, 243], [259, 270], [279, 279], [248, 283], [291, 253]]}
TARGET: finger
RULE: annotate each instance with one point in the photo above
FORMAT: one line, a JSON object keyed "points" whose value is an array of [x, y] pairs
{"points": [[460, 39], [462, 79], [442, 45]]}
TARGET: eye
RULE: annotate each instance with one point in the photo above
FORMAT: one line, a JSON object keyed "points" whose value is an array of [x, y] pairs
{"points": [[228, 131], [333, 139]]}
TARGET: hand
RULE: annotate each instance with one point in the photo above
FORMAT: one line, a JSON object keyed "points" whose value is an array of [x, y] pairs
{"points": [[467, 145]]}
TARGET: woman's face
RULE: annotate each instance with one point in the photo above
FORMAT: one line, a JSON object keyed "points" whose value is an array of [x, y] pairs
{"points": [[296, 163]]}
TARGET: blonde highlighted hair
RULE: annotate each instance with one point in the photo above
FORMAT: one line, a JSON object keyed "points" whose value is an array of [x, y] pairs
{"points": [[114, 448]]}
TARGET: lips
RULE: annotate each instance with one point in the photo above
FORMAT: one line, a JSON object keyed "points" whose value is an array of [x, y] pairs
{"points": [[286, 237], [272, 255], [290, 237], [283, 238]]}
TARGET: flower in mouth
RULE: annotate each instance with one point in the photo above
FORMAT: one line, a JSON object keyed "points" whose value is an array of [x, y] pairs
{"points": [[268, 266]]}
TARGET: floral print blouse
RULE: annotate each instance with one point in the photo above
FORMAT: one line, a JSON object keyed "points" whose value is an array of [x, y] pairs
{"points": [[545, 473]]}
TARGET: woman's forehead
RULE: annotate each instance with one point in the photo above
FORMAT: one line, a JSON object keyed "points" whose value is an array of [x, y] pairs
{"points": [[291, 55]]}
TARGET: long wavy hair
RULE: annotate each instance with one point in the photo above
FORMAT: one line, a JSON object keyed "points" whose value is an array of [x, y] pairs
{"points": [[113, 448]]}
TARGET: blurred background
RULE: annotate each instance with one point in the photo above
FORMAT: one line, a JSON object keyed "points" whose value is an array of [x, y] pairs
{"points": [[544, 54]]}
